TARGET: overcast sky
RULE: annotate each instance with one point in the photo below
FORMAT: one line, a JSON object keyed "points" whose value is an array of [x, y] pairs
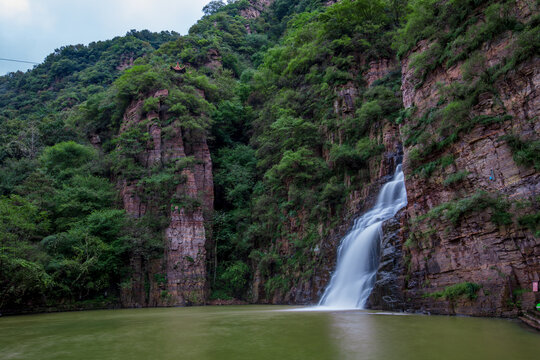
{"points": [[32, 29]]}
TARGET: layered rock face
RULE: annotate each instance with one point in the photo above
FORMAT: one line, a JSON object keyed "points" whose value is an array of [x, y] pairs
{"points": [[502, 257], [179, 277]]}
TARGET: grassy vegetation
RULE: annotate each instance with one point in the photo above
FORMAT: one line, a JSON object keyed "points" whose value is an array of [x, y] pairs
{"points": [[454, 211], [532, 222], [455, 178], [452, 30], [465, 289], [526, 153], [425, 170]]}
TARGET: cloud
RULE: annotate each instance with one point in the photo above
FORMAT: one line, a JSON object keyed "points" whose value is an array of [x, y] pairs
{"points": [[16, 14], [12, 8]]}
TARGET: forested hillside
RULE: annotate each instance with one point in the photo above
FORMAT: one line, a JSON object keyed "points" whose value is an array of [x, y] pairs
{"points": [[226, 164], [62, 232]]}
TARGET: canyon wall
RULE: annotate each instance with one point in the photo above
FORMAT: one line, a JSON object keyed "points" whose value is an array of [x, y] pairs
{"points": [[466, 194], [462, 223]]}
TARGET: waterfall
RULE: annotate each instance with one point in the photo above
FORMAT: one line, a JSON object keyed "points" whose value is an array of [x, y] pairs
{"points": [[358, 254]]}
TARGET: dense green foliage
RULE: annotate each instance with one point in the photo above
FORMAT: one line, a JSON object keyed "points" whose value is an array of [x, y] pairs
{"points": [[36, 107], [60, 232], [63, 240]]}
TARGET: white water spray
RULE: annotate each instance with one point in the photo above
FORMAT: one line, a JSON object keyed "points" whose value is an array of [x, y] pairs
{"points": [[358, 254]]}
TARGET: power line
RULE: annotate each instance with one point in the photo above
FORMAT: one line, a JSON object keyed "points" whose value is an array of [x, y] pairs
{"points": [[21, 61]]}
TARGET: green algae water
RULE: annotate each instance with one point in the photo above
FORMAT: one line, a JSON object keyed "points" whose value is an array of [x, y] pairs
{"points": [[261, 332]]}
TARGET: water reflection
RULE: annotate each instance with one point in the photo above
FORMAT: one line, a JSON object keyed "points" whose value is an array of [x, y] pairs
{"points": [[366, 336], [354, 334]]}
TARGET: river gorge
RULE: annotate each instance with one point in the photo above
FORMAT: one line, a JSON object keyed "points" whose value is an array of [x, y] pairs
{"points": [[332, 170]]}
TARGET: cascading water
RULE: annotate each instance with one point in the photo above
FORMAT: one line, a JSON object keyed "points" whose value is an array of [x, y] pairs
{"points": [[358, 254]]}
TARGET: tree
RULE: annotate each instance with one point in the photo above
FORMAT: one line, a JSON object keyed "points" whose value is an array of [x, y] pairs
{"points": [[213, 7], [65, 157], [22, 275]]}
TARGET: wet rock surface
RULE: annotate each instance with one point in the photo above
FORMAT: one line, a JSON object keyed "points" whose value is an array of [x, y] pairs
{"points": [[387, 292]]}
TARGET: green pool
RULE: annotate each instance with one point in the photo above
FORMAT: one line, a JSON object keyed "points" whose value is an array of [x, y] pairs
{"points": [[261, 332]]}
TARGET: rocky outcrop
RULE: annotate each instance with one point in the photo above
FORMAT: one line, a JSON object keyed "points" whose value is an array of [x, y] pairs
{"points": [[255, 8], [213, 60], [502, 257], [186, 240], [531, 318], [125, 62], [378, 69], [179, 277], [344, 103]]}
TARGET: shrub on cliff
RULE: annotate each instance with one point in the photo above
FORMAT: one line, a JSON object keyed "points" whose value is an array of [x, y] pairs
{"points": [[467, 290], [454, 211], [526, 153]]}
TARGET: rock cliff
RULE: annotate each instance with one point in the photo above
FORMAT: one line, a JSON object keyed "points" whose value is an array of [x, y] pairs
{"points": [[179, 276], [255, 8]]}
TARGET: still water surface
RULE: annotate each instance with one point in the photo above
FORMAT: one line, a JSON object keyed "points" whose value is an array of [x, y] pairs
{"points": [[261, 332]]}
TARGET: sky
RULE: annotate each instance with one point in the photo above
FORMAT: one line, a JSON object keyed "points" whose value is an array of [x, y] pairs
{"points": [[31, 29]]}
